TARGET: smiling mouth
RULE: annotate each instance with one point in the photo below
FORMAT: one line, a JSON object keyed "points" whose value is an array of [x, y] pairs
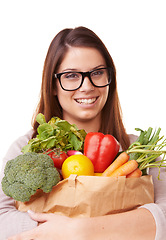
{"points": [[86, 101]]}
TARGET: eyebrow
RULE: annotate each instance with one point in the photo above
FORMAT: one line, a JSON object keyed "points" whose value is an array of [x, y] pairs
{"points": [[76, 70]]}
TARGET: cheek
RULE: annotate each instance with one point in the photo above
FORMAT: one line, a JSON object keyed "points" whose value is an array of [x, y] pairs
{"points": [[63, 97], [105, 92]]}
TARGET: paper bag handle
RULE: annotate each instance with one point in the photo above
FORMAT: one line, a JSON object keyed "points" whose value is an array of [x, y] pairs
{"points": [[72, 180]]}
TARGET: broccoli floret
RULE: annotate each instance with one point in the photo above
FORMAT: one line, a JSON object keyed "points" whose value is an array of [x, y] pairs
{"points": [[28, 172]]}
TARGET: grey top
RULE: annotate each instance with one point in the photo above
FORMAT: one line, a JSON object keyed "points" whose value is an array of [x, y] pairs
{"points": [[12, 221]]}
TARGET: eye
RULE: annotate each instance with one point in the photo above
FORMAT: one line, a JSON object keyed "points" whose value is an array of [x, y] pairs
{"points": [[97, 73], [72, 75]]}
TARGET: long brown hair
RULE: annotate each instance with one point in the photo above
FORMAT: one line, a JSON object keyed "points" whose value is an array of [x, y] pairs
{"points": [[49, 104]]}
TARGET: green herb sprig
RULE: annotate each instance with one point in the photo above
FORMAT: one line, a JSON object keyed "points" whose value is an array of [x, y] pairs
{"points": [[149, 150]]}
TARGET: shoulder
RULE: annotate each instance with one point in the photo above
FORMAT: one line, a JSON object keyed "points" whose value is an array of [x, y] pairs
{"points": [[15, 148], [132, 138], [17, 145]]}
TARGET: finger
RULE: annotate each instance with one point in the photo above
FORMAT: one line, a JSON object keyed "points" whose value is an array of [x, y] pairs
{"points": [[39, 217]]}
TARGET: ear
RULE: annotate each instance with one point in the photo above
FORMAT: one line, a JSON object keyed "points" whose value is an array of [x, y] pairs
{"points": [[54, 89], [54, 92]]}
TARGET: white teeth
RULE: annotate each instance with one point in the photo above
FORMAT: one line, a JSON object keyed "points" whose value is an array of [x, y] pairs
{"points": [[86, 101]]}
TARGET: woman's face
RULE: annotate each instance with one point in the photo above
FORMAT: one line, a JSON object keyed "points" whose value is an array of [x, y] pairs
{"points": [[84, 104]]}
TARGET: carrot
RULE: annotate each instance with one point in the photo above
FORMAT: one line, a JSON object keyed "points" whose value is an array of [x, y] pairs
{"points": [[120, 160], [125, 169], [136, 173]]}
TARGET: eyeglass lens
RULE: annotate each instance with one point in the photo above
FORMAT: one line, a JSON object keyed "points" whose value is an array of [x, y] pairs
{"points": [[73, 80]]}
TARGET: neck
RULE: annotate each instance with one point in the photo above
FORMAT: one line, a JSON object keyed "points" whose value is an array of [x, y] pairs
{"points": [[89, 126], [92, 125]]}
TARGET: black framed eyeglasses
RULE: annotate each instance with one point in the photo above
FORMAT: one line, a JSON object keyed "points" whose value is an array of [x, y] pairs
{"points": [[70, 81]]}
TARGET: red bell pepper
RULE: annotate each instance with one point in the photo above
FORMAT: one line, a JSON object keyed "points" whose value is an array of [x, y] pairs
{"points": [[100, 149]]}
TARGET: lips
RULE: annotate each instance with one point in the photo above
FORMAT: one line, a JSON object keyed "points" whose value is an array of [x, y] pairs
{"points": [[86, 100]]}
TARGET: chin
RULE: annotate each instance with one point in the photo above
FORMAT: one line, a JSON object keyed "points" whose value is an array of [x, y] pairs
{"points": [[87, 117]]}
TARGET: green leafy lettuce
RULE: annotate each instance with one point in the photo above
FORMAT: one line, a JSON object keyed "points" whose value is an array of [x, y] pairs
{"points": [[56, 133]]}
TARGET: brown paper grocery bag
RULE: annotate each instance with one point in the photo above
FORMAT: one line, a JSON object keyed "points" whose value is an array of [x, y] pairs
{"points": [[90, 196]]}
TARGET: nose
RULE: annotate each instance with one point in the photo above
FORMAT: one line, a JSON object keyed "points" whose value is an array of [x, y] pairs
{"points": [[87, 85]]}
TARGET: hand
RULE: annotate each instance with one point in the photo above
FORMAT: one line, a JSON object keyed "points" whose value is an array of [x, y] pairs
{"points": [[51, 226]]}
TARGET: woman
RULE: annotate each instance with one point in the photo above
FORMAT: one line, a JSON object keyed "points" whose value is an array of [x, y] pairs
{"points": [[79, 85]]}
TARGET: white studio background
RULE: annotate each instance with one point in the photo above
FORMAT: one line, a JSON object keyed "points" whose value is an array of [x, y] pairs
{"points": [[133, 32]]}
